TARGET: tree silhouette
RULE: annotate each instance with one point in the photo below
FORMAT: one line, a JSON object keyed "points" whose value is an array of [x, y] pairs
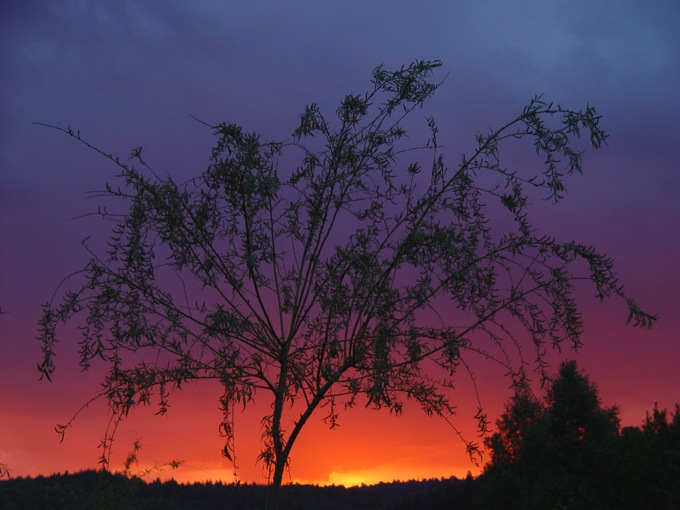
{"points": [[560, 454], [575, 412], [649, 462], [521, 414], [338, 277]]}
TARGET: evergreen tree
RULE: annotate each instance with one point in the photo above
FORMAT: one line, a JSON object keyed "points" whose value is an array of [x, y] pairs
{"points": [[559, 454]]}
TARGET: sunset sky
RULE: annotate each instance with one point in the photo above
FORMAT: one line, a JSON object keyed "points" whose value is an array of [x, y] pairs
{"points": [[133, 72]]}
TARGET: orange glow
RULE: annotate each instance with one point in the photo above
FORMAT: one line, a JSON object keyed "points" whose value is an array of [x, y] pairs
{"points": [[367, 448], [388, 473]]}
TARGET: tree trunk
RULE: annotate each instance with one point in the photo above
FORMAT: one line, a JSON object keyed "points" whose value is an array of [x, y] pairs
{"points": [[274, 497], [273, 500]]}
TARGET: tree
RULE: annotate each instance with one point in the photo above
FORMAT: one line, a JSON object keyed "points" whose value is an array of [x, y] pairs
{"points": [[575, 411], [336, 278], [558, 454], [521, 414], [650, 461]]}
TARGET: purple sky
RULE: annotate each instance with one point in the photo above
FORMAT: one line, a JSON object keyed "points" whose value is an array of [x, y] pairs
{"points": [[130, 73]]}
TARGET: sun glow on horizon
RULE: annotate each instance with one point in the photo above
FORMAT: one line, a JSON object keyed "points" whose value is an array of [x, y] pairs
{"points": [[386, 474]]}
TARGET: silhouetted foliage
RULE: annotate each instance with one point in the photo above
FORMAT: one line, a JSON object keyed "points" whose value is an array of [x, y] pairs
{"points": [[87, 489], [568, 453], [131, 463], [508, 445], [337, 278], [649, 462]]}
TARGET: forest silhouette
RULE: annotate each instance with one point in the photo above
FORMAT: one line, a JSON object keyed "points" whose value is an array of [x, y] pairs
{"points": [[564, 450]]}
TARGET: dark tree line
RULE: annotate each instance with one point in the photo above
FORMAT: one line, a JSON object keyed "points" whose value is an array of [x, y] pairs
{"points": [[568, 451], [90, 490]]}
